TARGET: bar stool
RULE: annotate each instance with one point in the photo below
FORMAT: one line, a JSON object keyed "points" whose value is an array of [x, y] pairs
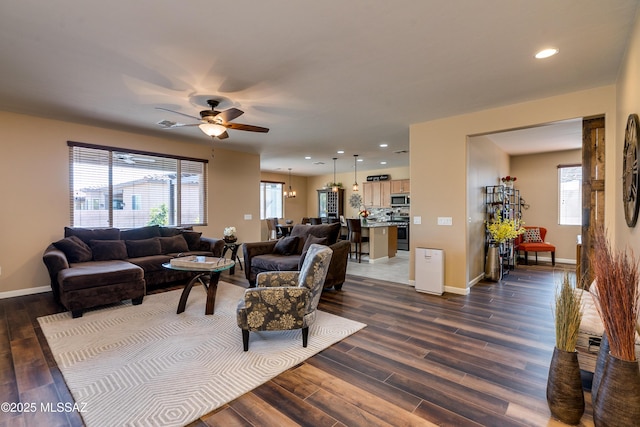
{"points": [[355, 236]]}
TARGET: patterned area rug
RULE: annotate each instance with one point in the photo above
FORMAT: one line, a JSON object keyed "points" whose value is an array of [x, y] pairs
{"points": [[145, 365]]}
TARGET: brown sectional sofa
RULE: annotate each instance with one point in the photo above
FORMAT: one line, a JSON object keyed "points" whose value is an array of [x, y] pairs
{"points": [[92, 267], [287, 253]]}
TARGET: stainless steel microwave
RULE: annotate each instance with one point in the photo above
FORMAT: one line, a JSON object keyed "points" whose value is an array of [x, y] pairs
{"points": [[398, 200]]}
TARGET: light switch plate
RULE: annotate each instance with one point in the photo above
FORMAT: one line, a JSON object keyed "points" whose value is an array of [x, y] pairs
{"points": [[417, 220], [445, 220], [248, 217]]}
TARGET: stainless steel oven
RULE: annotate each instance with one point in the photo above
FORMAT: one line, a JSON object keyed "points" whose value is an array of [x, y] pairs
{"points": [[403, 232]]}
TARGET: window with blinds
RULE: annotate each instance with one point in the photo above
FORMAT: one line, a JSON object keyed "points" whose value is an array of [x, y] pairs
{"points": [[113, 187]]}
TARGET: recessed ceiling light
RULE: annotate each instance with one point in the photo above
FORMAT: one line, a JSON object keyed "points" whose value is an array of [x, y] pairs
{"points": [[307, 157], [383, 163], [384, 145], [545, 53], [361, 160], [340, 151]]}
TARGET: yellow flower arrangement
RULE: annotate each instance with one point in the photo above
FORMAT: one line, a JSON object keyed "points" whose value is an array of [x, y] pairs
{"points": [[504, 229]]}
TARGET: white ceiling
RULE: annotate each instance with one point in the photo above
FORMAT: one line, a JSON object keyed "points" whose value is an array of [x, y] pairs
{"points": [[322, 75]]}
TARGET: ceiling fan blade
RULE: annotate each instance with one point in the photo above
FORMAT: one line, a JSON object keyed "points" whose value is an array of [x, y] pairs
{"points": [[230, 114], [180, 125], [250, 128], [177, 112], [223, 135]]}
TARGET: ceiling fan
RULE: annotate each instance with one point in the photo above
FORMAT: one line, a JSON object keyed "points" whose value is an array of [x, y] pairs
{"points": [[213, 123]]}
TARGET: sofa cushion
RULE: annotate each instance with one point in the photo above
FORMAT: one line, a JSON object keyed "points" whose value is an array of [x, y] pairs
{"points": [[173, 244], [106, 250], [173, 231], [94, 274], [143, 247], [74, 249], [87, 234], [141, 233], [286, 246], [274, 262], [193, 239], [151, 263]]}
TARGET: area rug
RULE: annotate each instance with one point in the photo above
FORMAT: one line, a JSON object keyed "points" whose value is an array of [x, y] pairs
{"points": [[145, 365]]}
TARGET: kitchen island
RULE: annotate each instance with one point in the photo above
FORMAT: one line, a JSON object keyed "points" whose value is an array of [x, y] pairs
{"points": [[383, 240]]}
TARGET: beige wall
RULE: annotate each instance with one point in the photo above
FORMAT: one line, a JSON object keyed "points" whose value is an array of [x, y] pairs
{"points": [[486, 164], [439, 168], [628, 102], [34, 180], [538, 184]]}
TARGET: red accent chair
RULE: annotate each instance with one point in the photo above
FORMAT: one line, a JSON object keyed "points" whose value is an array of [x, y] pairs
{"points": [[530, 242]]}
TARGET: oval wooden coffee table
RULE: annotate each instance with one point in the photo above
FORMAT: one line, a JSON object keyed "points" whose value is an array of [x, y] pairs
{"points": [[203, 267]]}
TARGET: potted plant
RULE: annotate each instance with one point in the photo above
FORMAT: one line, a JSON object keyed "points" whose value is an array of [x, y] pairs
{"points": [[564, 385], [500, 231], [617, 398], [230, 234]]}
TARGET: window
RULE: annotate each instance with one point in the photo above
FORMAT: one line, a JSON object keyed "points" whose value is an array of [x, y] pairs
{"points": [[570, 194], [112, 187], [271, 199]]}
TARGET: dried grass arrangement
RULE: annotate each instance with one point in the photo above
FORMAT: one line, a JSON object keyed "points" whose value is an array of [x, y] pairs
{"points": [[617, 295], [567, 315]]}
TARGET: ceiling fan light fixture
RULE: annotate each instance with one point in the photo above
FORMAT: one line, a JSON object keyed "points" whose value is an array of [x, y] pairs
{"points": [[212, 129]]}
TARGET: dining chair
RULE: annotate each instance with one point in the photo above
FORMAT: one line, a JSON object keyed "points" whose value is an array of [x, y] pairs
{"points": [[354, 227]]}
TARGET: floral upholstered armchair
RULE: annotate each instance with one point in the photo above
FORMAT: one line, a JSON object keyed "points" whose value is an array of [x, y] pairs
{"points": [[285, 300]]}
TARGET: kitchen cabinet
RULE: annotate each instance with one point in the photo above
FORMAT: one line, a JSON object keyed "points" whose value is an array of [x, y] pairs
{"points": [[399, 186], [376, 194]]}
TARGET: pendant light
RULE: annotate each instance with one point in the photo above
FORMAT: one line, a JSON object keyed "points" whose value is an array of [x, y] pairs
{"points": [[355, 172], [291, 193], [334, 188]]}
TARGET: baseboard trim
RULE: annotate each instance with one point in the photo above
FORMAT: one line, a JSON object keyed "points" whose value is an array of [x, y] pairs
{"points": [[22, 292], [454, 290]]}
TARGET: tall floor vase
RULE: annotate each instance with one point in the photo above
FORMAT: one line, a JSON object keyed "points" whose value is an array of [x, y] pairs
{"points": [[493, 267], [599, 369], [617, 400], [564, 387]]}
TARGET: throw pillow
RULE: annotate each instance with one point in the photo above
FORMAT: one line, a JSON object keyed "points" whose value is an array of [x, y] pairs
{"points": [[75, 249], [532, 235], [173, 244], [105, 250], [193, 239], [313, 239], [286, 246], [143, 247]]}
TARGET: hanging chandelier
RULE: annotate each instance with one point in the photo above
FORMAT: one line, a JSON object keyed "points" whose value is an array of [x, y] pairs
{"points": [[291, 193], [355, 172]]}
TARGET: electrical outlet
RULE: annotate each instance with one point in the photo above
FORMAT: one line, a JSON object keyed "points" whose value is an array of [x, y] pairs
{"points": [[248, 217], [445, 220]]}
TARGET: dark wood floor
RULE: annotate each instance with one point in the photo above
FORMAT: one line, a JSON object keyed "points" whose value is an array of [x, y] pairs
{"points": [[480, 359]]}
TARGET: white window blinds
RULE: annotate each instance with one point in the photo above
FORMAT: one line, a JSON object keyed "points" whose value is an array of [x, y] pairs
{"points": [[112, 187]]}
